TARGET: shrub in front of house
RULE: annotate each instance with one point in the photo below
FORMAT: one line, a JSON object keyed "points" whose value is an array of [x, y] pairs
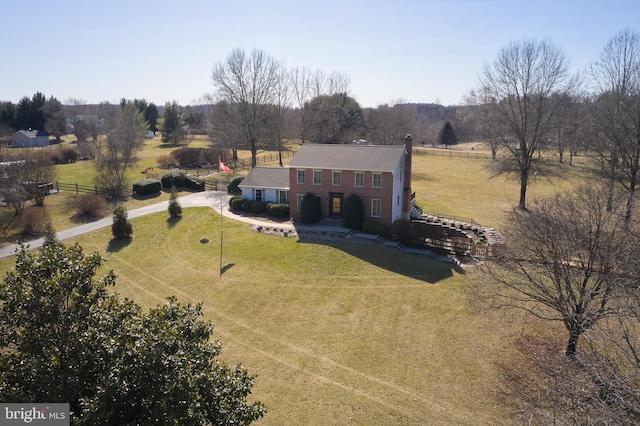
{"points": [[147, 187], [246, 205], [310, 208], [278, 210], [258, 207], [375, 228], [235, 203], [233, 185], [402, 230], [353, 212]]}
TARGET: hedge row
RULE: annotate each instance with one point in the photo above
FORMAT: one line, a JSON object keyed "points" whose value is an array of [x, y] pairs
{"points": [[147, 187], [237, 204], [182, 180]]}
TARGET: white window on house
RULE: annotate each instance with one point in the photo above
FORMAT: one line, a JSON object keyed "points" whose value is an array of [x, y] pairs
{"points": [[359, 180], [376, 180], [282, 197], [336, 178], [258, 196], [299, 198], [300, 177], [376, 207], [317, 177]]}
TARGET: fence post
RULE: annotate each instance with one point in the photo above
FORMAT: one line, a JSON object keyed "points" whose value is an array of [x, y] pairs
{"points": [[76, 188]]}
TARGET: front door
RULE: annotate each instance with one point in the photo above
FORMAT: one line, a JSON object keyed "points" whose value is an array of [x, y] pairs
{"points": [[335, 204]]}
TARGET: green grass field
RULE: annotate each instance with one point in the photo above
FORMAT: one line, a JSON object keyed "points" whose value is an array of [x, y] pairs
{"points": [[339, 334]]}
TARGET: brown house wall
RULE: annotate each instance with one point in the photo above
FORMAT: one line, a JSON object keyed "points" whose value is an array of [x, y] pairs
{"points": [[367, 193]]}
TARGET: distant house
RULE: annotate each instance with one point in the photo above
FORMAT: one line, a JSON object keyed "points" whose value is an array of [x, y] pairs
{"points": [[379, 174], [266, 184], [29, 138]]}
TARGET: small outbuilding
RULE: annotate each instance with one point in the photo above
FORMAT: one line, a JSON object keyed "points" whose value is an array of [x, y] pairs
{"points": [[29, 138]]}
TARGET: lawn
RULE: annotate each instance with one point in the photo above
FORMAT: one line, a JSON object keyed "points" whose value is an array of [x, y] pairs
{"points": [[339, 333]]}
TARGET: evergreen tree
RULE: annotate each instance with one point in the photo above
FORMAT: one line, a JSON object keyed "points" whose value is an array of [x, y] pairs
{"points": [[175, 209], [174, 129], [151, 117], [23, 112], [55, 119], [121, 227], [65, 336], [447, 135], [36, 114]]}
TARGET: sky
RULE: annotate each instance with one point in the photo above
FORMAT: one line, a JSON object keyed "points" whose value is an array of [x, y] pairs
{"points": [[393, 51]]}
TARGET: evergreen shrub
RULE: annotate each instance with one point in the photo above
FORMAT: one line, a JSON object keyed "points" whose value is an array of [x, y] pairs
{"points": [[147, 187], [310, 208], [235, 203], [375, 228], [233, 185], [278, 210], [353, 212], [121, 227], [258, 207], [246, 205]]}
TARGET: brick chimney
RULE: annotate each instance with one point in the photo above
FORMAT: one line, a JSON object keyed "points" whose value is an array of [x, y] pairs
{"points": [[406, 192]]}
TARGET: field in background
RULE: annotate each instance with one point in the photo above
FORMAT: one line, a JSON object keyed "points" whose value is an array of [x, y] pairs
{"points": [[339, 333]]}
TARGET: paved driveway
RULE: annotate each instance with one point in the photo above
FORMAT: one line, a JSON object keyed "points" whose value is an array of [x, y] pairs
{"points": [[213, 199]]}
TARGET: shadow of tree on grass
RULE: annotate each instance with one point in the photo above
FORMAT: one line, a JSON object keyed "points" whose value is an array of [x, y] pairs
{"points": [[117, 244], [411, 265], [173, 221]]}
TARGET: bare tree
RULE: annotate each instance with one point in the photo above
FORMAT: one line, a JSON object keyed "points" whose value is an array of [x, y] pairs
{"points": [[282, 103], [301, 88], [483, 117], [338, 83], [117, 154], [246, 84], [389, 124], [562, 261], [615, 82], [27, 178], [521, 88]]}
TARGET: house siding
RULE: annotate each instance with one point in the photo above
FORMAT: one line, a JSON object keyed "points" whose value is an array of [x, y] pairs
{"points": [[385, 193], [268, 194]]}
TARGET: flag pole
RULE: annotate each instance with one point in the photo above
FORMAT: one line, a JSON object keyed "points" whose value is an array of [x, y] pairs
{"points": [[221, 224]]}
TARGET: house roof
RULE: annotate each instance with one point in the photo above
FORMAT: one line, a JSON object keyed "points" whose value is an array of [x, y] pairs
{"points": [[267, 177], [379, 158], [32, 133]]}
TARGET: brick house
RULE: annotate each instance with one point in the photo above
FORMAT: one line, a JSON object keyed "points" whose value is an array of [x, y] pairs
{"points": [[379, 174]]}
